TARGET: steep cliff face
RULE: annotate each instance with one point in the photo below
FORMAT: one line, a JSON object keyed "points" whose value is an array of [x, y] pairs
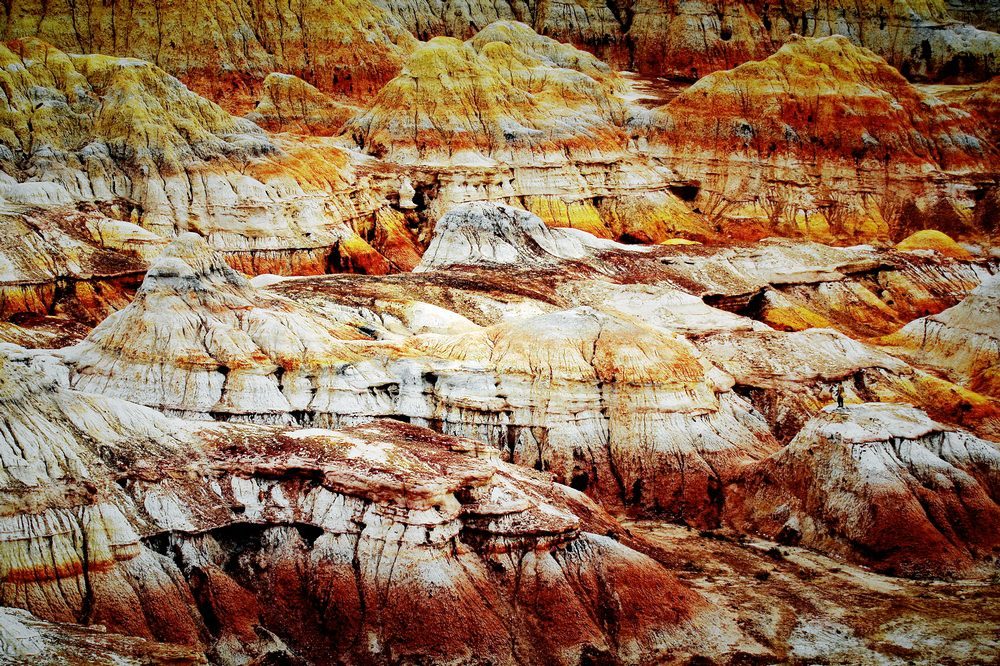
{"points": [[247, 540], [824, 139], [880, 484]]}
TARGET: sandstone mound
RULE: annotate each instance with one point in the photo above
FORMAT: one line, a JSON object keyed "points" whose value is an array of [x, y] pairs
{"points": [[879, 484], [553, 53], [823, 139], [490, 233], [95, 106], [224, 48], [240, 540], [782, 105], [932, 239], [198, 337], [962, 342], [487, 99], [289, 104], [790, 376]]}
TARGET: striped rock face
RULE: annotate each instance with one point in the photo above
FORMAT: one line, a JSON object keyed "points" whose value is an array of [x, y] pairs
{"points": [[881, 484], [110, 507], [439, 332]]}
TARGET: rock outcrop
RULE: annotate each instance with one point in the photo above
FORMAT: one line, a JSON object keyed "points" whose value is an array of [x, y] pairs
{"points": [[880, 484], [94, 128], [24, 638], [689, 39], [625, 411], [962, 342], [506, 94], [770, 148], [289, 104], [247, 540], [225, 48]]}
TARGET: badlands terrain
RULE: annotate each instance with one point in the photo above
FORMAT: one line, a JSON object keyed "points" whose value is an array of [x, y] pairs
{"points": [[514, 332]]}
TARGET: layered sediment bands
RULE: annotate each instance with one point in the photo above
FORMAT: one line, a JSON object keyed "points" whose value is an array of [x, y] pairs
{"points": [[70, 261], [866, 303], [984, 103], [94, 128], [289, 104], [771, 155], [225, 48], [507, 95], [625, 411], [245, 540], [984, 14], [689, 39], [25, 638], [71, 544], [789, 377], [879, 484], [962, 342]]}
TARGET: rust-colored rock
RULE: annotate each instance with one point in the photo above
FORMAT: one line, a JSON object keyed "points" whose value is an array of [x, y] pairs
{"points": [[881, 484]]}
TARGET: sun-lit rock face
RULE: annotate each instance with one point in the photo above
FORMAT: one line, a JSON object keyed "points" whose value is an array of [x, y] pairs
{"points": [[934, 241], [963, 342], [880, 484], [225, 48], [24, 638], [62, 104], [198, 337], [71, 544], [824, 139], [95, 128], [628, 412], [116, 515], [489, 233], [984, 103], [289, 104], [505, 94], [100, 260]]}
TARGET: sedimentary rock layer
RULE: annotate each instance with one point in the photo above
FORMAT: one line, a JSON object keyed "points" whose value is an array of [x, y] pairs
{"points": [[244, 540], [772, 151], [880, 484]]}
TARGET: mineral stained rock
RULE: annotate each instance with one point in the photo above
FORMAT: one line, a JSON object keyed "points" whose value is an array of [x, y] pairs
{"points": [[134, 516], [881, 484], [604, 402], [225, 48], [883, 160], [456, 332]]}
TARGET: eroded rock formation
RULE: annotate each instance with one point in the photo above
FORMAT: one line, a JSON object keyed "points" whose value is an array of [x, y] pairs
{"points": [[244, 540], [962, 342], [771, 154], [881, 484], [506, 94]]}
